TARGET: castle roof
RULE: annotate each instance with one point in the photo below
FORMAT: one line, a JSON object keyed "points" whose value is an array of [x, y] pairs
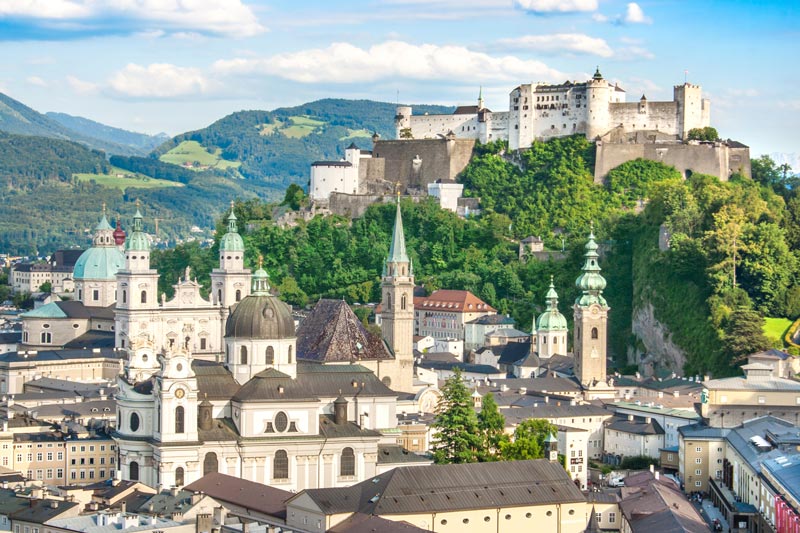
{"points": [[453, 301]]}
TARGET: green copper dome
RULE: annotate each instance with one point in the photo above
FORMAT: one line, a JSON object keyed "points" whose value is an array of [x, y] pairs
{"points": [[260, 315], [99, 263], [231, 241], [552, 319], [591, 282], [103, 259], [137, 240]]}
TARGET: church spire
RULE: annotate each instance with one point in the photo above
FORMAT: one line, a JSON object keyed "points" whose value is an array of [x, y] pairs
{"points": [[397, 251], [552, 297], [591, 282], [260, 279]]}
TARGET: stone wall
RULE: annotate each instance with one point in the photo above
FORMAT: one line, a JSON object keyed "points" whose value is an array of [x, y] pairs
{"points": [[418, 162], [716, 159]]}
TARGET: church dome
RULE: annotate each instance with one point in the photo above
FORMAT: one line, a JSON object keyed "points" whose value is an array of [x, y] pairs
{"points": [[231, 241], [138, 241], [550, 320], [98, 263], [260, 315]]}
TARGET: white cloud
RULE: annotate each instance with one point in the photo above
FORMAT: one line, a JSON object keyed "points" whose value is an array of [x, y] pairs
{"points": [[792, 105], [159, 80], [346, 63], [36, 80], [82, 87], [635, 15], [560, 42], [226, 17], [628, 53], [556, 6], [599, 17]]}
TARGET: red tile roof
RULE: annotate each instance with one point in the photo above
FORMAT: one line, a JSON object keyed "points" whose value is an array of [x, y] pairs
{"points": [[453, 301]]}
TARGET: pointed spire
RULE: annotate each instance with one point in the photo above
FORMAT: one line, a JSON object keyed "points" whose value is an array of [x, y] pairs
{"points": [[232, 221], [397, 251], [593, 526], [138, 240], [137, 217], [480, 98], [591, 282], [597, 75], [552, 296]]}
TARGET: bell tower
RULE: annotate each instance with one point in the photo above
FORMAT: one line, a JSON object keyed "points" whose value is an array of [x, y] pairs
{"points": [[591, 321], [231, 281], [397, 302]]}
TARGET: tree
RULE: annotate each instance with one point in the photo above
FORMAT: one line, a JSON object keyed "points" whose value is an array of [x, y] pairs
{"points": [[703, 134], [294, 197], [46, 287], [456, 438], [405, 133], [744, 334], [528, 441], [492, 425]]}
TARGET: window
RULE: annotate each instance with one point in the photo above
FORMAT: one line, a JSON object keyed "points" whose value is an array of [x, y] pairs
{"points": [[290, 355], [60, 456], [762, 399], [39, 456], [348, 463], [280, 465], [238, 294], [144, 297], [698, 461], [179, 476], [46, 337], [59, 473], [243, 355], [403, 300], [49, 456], [202, 343], [599, 516], [179, 420], [698, 472], [594, 333], [134, 423], [699, 449], [210, 463], [270, 357], [95, 295], [124, 296], [133, 471], [612, 517], [697, 484]]}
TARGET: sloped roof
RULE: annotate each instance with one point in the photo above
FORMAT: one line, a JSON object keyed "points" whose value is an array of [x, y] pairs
{"points": [[658, 505], [439, 488], [362, 523], [453, 302], [248, 494], [214, 381], [273, 385], [637, 426], [332, 333], [492, 320]]}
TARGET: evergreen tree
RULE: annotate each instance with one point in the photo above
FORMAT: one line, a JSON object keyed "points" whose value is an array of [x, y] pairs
{"points": [[456, 437], [492, 424], [744, 334]]}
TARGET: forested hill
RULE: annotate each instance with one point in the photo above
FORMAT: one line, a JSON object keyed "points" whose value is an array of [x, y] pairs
{"points": [[16, 117], [51, 191], [277, 147], [140, 142]]}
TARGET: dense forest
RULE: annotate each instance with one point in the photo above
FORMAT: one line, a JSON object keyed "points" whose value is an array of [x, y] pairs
{"points": [[743, 228], [140, 143]]}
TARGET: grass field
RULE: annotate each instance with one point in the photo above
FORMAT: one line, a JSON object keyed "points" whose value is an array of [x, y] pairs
{"points": [[124, 179], [775, 328], [301, 126], [267, 129], [352, 134], [194, 153]]}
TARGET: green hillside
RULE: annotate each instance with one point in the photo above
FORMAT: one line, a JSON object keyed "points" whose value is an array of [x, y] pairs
{"points": [[277, 147], [140, 143], [16, 117]]}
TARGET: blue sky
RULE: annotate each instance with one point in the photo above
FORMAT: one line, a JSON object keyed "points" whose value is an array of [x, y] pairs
{"points": [[176, 65]]}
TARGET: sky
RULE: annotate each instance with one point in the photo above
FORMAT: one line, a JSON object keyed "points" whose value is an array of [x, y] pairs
{"points": [[177, 65]]}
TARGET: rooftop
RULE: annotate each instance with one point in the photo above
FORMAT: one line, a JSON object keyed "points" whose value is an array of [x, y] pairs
{"points": [[248, 494], [452, 301]]}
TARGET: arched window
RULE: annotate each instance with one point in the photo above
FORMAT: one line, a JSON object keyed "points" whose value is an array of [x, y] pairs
{"points": [[133, 471], [210, 464], [388, 301], [594, 333], [290, 355], [403, 302], [179, 419], [144, 297], [179, 476], [219, 295], [124, 296], [347, 466], [280, 465], [270, 356], [243, 355], [134, 422], [47, 337], [238, 294]]}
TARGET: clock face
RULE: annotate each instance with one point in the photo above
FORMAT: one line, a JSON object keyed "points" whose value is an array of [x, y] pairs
{"points": [[179, 393]]}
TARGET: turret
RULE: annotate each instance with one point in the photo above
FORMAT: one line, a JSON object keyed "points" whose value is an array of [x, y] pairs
{"points": [[551, 328], [231, 281], [402, 120], [137, 247], [598, 97]]}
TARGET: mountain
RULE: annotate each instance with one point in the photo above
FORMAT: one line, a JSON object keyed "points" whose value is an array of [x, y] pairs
{"points": [[16, 117], [138, 141], [277, 147], [51, 191]]}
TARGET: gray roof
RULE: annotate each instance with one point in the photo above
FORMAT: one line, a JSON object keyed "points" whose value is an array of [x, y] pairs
{"points": [[396, 454], [54, 384], [59, 355], [651, 505], [214, 381], [762, 383], [702, 431], [786, 471], [166, 503], [90, 523], [333, 333], [464, 367], [272, 385], [90, 408], [771, 354], [492, 320], [261, 316], [331, 430], [778, 430], [439, 488], [92, 339], [637, 426], [362, 523], [40, 511]]}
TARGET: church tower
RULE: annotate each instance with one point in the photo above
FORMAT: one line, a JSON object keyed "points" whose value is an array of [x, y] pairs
{"points": [[231, 281], [591, 321], [137, 284], [397, 316], [96, 269], [551, 328]]}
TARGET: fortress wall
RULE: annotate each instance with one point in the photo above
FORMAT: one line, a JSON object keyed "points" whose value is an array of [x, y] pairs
{"points": [[351, 205], [430, 126], [661, 116], [370, 170], [559, 122], [440, 159]]}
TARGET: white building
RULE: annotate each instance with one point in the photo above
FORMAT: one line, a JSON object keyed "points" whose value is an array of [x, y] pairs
{"points": [[448, 193], [631, 436], [337, 176]]}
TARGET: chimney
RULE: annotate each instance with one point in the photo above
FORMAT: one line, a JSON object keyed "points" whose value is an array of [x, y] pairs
{"points": [[660, 394], [657, 474], [630, 418], [523, 390], [220, 514], [203, 523], [196, 497], [246, 527], [340, 410], [547, 399], [675, 394], [652, 469], [123, 507], [173, 491], [54, 504], [647, 420]]}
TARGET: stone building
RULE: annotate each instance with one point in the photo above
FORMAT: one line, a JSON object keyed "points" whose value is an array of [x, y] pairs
{"points": [[542, 111]]}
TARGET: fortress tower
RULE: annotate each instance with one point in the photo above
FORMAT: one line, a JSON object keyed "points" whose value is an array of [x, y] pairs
{"points": [[598, 96], [693, 110], [402, 120]]}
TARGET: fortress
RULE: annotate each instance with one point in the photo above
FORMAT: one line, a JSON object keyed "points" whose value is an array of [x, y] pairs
{"points": [[537, 112]]}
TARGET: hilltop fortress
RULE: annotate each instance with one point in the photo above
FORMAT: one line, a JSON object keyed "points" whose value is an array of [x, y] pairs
{"points": [[537, 112]]}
